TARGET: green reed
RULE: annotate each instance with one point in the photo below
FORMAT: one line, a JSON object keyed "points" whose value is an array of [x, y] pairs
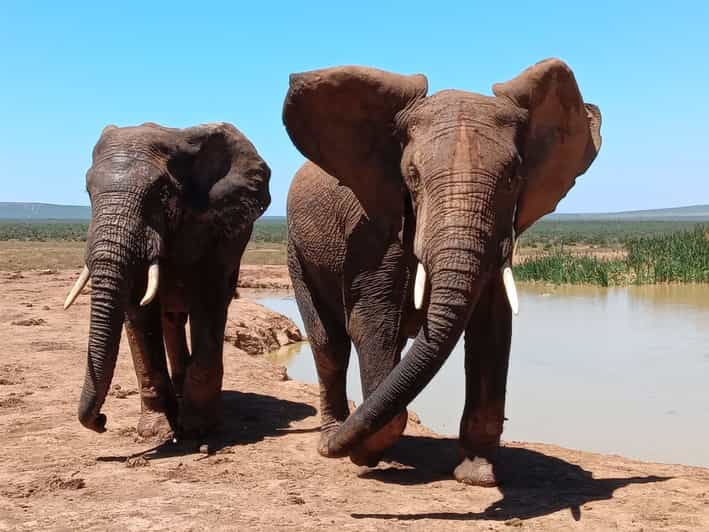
{"points": [[681, 256], [677, 257], [560, 267]]}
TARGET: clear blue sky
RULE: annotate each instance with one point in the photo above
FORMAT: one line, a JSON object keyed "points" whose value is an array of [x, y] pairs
{"points": [[70, 68]]}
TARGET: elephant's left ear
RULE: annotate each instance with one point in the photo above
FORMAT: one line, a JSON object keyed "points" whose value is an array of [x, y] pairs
{"points": [[220, 171], [562, 140]]}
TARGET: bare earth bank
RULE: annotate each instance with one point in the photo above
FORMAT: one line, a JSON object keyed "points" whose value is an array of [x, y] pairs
{"points": [[261, 471]]}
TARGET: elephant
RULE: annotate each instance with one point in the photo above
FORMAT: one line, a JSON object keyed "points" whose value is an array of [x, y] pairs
{"points": [[172, 211], [402, 224]]}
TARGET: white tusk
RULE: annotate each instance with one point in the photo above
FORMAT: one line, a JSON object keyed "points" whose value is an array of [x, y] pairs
{"points": [[419, 286], [77, 288], [152, 289], [510, 289]]}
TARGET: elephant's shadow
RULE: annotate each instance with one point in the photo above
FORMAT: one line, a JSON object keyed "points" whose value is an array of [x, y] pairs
{"points": [[532, 484], [248, 418]]}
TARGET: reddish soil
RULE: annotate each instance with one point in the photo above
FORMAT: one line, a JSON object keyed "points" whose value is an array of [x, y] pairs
{"points": [[261, 471]]}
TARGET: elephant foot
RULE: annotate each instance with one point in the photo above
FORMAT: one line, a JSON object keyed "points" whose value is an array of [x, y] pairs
{"points": [[477, 471], [155, 426], [370, 451], [199, 419], [327, 430]]}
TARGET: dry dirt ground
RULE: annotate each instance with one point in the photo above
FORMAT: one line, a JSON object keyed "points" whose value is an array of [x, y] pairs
{"points": [[261, 471]]}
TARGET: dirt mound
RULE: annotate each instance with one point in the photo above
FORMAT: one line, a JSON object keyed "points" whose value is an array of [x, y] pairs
{"points": [[269, 277], [260, 471], [257, 330]]}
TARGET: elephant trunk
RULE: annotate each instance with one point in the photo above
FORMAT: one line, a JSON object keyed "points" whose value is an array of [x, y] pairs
{"points": [[112, 251], [456, 279], [104, 338]]}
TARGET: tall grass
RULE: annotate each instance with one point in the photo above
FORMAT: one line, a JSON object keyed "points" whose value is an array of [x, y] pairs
{"points": [[677, 257], [682, 257], [560, 267]]}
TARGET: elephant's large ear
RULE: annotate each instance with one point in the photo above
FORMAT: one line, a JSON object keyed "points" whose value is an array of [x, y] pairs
{"points": [[562, 140], [342, 118], [220, 172]]}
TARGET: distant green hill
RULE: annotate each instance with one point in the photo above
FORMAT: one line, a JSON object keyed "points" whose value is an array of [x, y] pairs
{"points": [[43, 211], [51, 212], [692, 213], [48, 211]]}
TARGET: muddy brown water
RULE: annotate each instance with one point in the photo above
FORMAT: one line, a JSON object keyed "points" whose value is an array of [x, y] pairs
{"points": [[619, 370]]}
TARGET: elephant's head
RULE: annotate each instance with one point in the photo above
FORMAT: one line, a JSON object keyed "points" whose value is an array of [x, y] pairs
{"points": [[479, 170], [157, 194]]}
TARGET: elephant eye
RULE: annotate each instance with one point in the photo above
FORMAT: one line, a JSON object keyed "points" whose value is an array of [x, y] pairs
{"points": [[413, 174], [513, 173]]}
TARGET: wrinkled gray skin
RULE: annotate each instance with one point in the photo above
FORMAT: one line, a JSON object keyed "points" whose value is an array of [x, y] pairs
{"points": [[186, 198], [448, 180]]}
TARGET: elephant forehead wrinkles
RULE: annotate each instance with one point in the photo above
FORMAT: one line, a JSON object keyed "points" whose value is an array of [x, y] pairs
{"points": [[463, 156], [466, 146]]}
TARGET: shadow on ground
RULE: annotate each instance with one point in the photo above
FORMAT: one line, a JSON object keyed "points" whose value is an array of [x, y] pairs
{"points": [[248, 418], [532, 484]]}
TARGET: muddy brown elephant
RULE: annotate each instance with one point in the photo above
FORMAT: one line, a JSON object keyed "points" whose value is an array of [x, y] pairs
{"points": [[172, 211], [403, 224]]}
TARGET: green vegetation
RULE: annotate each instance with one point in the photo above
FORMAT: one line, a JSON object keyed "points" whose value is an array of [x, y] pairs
{"points": [[560, 267], [43, 230], [604, 253], [270, 229], [597, 233], [682, 257], [674, 257]]}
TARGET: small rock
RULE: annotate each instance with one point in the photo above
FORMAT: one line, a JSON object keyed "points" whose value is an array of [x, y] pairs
{"points": [[58, 483], [515, 521], [258, 330], [295, 499], [137, 461], [204, 448], [45, 307], [29, 322], [281, 373]]}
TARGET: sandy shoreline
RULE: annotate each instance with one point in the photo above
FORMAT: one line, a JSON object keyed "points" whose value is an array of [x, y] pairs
{"points": [[262, 472]]}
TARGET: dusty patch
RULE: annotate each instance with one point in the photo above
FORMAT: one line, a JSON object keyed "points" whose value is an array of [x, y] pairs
{"points": [[261, 471], [37, 487], [29, 322], [11, 374], [51, 346], [270, 277]]}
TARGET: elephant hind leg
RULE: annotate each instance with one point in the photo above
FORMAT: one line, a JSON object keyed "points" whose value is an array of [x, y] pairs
{"points": [[329, 343], [487, 351]]}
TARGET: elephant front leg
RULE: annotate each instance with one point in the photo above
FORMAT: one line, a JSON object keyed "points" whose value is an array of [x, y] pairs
{"points": [[201, 409], [376, 324], [487, 349], [158, 404]]}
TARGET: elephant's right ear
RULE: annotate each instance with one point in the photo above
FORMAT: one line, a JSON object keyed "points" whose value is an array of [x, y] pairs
{"points": [[342, 118]]}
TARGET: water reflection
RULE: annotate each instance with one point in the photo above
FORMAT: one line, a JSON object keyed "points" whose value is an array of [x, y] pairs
{"points": [[620, 370]]}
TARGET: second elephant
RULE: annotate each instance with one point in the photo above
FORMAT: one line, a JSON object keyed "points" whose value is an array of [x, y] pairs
{"points": [[402, 185], [172, 211]]}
